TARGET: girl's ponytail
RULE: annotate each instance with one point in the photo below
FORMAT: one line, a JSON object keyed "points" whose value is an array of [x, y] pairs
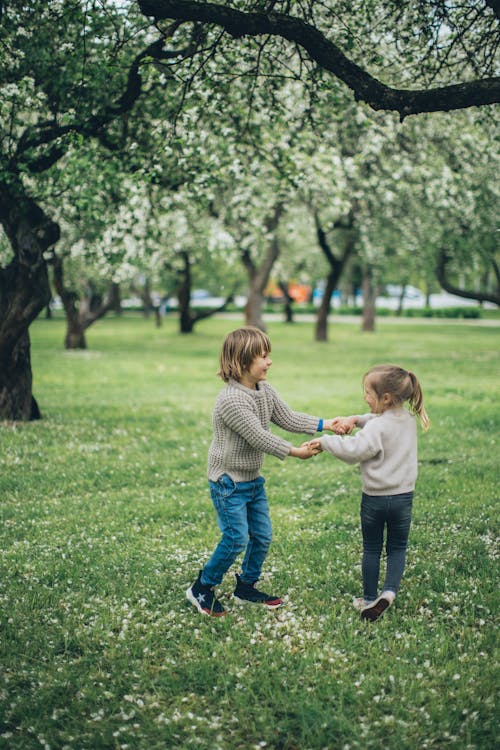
{"points": [[416, 402]]}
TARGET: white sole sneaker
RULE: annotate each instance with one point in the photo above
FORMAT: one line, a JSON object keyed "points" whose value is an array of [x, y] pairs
{"points": [[376, 609], [194, 601], [272, 604], [359, 603]]}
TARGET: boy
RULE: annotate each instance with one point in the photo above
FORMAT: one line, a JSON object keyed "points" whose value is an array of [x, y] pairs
{"points": [[242, 414]]}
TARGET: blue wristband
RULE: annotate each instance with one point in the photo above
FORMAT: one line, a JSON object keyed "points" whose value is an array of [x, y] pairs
{"points": [[320, 425]]}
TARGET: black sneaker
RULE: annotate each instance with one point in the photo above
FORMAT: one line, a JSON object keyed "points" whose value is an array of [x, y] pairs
{"points": [[246, 592], [203, 597]]}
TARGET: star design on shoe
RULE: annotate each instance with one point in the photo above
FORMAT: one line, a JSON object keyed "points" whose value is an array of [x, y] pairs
{"points": [[201, 598]]}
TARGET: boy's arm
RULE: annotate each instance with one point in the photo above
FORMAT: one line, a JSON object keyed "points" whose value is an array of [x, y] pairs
{"points": [[294, 421]]}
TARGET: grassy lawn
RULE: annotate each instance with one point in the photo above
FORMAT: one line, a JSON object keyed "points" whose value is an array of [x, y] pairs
{"points": [[106, 519]]}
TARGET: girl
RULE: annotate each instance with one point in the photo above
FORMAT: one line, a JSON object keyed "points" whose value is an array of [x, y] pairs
{"points": [[386, 449], [241, 417]]}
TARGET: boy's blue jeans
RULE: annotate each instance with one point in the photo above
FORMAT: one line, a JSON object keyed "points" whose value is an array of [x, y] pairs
{"points": [[243, 518], [377, 513]]}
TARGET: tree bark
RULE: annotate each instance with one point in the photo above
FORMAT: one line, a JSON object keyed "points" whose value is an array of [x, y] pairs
{"points": [[188, 318], [24, 283], [328, 56], [324, 307], [81, 313], [186, 321], [24, 292], [401, 301], [337, 266], [369, 299], [288, 307], [258, 276]]}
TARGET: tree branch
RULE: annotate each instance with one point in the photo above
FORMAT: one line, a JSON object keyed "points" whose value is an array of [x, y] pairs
{"points": [[495, 6], [94, 126], [443, 260], [327, 55]]}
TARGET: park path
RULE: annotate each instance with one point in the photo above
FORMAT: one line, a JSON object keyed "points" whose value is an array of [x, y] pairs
{"points": [[309, 318]]}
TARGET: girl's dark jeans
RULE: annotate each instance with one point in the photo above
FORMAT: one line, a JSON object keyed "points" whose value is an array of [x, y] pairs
{"points": [[393, 514]]}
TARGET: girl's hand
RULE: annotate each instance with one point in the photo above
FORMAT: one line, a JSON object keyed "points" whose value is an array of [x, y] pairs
{"points": [[342, 425]]}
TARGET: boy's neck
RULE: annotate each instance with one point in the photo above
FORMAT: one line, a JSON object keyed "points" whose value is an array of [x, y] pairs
{"points": [[249, 382]]}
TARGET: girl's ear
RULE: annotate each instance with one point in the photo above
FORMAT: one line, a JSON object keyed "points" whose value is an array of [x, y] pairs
{"points": [[386, 400]]}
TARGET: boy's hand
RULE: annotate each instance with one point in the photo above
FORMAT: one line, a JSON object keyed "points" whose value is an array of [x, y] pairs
{"points": [[342, 425], [306, 450]]}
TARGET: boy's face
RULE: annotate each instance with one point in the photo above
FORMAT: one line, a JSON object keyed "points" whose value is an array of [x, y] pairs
{"points": [[259, 367]]}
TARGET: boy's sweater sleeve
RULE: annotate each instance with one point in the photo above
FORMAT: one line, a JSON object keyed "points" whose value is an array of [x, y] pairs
{"points": [[354, 449], [239, 417], [289, 420]]}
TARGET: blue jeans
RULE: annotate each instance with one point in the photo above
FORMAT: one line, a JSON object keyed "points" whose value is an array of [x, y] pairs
{"points": [[377, 513], [243, 518]]}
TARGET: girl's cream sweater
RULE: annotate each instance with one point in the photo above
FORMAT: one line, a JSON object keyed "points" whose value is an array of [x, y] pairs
{"points": [[385, 448]]}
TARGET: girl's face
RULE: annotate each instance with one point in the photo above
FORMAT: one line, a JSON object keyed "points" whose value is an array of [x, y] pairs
{"points": [[370, 396], [258, 369]]}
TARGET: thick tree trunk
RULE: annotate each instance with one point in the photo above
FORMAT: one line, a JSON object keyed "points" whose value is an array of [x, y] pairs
{"points": [[24, 292], [369, 299], [336, 268], [91, 306], [288, 307], [401, 301], [16, 400], [188, 318], [324, 308], [253, 307], [186, 322], [258, 276]]}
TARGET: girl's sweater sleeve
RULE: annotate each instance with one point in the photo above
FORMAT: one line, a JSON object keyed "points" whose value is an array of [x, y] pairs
{"points": [[291, 421], [364, 418], [360, 447]]}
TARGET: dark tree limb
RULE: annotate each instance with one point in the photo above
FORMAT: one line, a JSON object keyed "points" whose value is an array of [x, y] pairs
{"points": [[443, 260], [327, 55], [336, 268], [495, 6], [94, 126]]}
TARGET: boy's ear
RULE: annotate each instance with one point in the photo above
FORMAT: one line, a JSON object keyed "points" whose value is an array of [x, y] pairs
{"points": [[386, 399]]}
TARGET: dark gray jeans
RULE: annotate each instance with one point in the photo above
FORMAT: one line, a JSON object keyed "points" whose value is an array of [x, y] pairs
{"points": [[380, 513]]}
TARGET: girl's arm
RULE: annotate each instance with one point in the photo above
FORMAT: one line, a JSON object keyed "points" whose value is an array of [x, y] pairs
{"points": [[345, 425], [353, 449]]}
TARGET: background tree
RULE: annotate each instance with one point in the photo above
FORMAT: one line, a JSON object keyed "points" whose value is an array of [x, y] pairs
{"points": [[69, 71], [449, 48]]}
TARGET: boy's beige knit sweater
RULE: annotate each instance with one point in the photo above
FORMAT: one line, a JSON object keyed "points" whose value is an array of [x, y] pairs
{"points": [[241, 421]]}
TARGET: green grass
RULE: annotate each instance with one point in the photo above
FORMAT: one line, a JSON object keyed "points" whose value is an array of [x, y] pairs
{"points": [[106, 519]]}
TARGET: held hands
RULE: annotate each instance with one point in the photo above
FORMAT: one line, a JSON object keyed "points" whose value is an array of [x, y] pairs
{"points": [[340, 425], [306, 450]]}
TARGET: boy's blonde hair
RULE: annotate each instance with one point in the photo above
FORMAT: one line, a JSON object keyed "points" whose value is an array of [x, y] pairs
{"points": [[239, 350], [401, 385]]}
